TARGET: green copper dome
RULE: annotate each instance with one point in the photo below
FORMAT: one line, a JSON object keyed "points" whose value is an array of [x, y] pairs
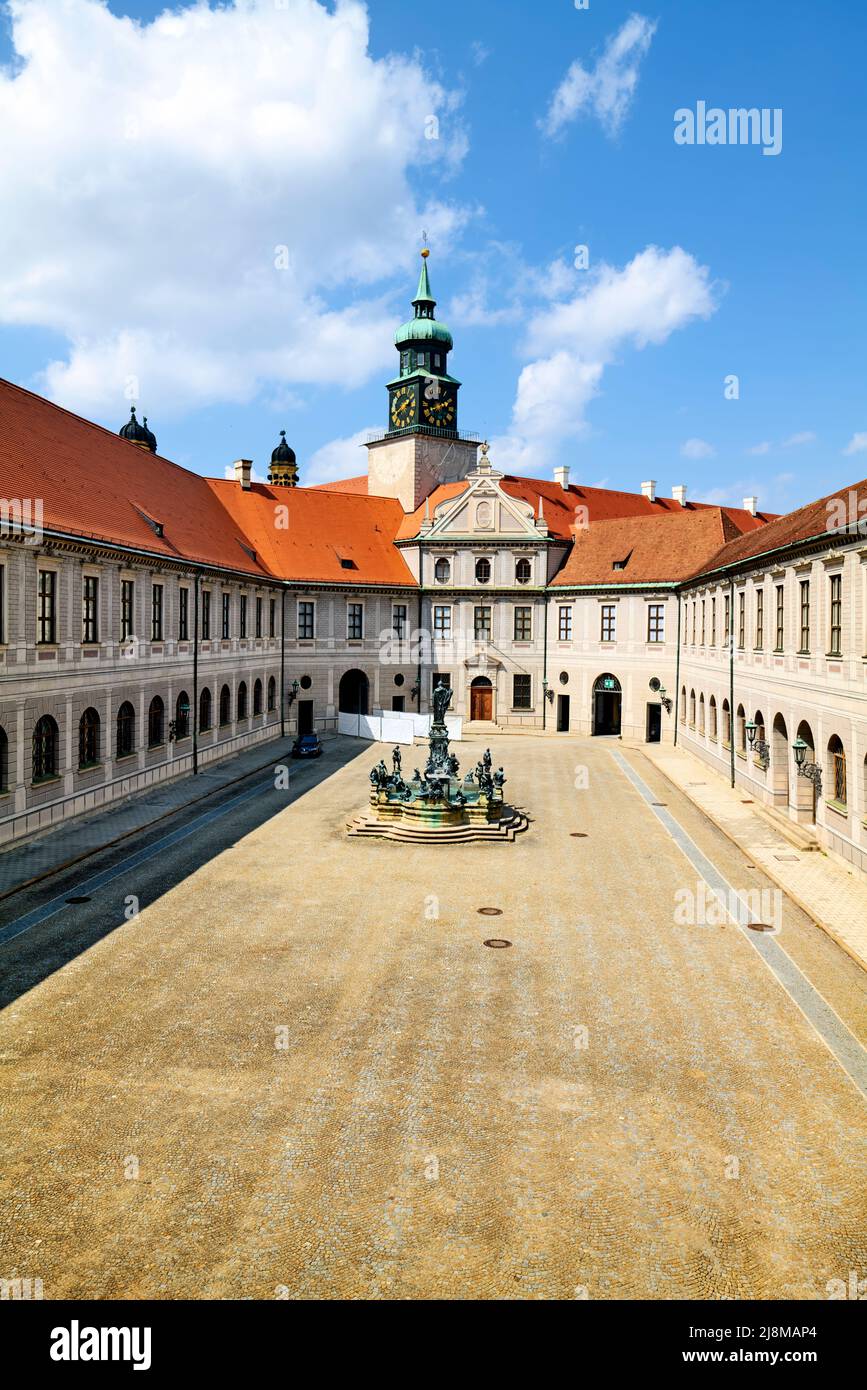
{"points": [[423, 331], [424, 327]]}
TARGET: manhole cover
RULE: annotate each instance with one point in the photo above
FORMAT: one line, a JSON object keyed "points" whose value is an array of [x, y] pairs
{"points": [[659, 803], [760, 926], [578, 834], [80, 898], [787, 858], [747, 801], [497, 943], [490, 911]]}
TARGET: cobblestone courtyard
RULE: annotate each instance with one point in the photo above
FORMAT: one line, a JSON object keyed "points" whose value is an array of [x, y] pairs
{"points": [[615, 1104]]}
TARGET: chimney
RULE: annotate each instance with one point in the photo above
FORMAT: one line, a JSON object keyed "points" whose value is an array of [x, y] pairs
{"points": [[751, 505], [678, 492], [561, 476], [243, 468], [649, 490]]}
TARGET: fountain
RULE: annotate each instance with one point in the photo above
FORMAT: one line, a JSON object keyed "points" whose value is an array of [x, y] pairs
{"points": [[438, 805]]}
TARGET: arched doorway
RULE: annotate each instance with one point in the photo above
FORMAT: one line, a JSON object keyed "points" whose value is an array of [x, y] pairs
{"points": [[481, 699], [352, 696], [780, 761], [606, 705], [805, 794]]}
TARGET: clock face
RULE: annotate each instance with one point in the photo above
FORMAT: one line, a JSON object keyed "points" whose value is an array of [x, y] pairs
{"points": [[440, 411], [402, 406]]}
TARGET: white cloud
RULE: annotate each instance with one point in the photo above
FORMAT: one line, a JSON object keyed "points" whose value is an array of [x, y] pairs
{"points": [[763, 448], [697, 449], [480, 53], [857, 444], [150, 171], [795, 441], [572, 342], [607, 89], [340, 458]]}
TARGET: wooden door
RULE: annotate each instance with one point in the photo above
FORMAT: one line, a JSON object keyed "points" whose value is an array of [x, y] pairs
{"points": [[481, 702]]}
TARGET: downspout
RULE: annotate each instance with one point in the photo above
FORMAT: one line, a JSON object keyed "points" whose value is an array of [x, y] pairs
{"points": [[196, 674], [677, 673], [283, 662], [732, 675]]}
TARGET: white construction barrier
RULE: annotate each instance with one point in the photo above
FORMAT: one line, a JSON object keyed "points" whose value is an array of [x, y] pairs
{"points": [[394, 726]]}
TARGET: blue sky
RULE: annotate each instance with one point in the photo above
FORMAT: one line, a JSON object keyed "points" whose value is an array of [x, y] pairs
{"points": [[150, 175]]}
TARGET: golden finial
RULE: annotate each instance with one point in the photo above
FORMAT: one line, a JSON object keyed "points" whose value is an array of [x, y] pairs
{"points": [[425, 250]]}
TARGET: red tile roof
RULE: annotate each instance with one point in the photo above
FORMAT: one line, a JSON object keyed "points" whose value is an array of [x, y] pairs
{"points": [[669, 547], [800, 525], [322, 529]]}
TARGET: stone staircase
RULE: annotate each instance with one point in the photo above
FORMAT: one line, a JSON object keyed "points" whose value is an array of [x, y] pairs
{"points": [[512, 822], [801, 836]]}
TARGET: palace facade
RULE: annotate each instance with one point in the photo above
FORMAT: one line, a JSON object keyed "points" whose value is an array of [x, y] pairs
{"points": [[153, 620]]}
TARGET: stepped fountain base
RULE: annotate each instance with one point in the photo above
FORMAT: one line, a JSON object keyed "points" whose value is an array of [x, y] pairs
{"points": [[419, 824]]}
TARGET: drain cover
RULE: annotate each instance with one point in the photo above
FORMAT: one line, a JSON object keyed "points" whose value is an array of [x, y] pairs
{"points": [[760, 926], [787, 858], [747, 801], [497, 943], [81, 898], [578, 834], [490, 911], [659, 803]]}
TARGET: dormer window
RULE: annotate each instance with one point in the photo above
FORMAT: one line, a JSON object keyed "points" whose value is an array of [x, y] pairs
{"points": [[621, 564], [348, 564], [442, 571]]}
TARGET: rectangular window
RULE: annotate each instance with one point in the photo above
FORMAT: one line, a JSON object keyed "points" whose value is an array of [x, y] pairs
{"points": [[272, 617], [703, 621], [183, 615], [440, 678], [742, 620], [760, 619], [157, 613], [523, 624], [206, 615], [565, 625], [442, 620], [482, 623], [2, 640], [354, 621], [836, 648], [90, 609], [242, 629], [609, 622], [521, 692], [46, 611], [694, 608], [805, 615], [398, 620], [780, 634], [305, 621], [127, 608], [727, 618], [258, 617], [227, 617], [656, 622], [713, 622]]}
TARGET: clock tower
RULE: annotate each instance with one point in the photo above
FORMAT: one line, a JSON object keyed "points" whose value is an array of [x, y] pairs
{"points": [[421, 446]]}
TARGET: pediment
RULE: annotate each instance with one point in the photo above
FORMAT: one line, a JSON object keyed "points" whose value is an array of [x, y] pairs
{"points": [[483, 510]]}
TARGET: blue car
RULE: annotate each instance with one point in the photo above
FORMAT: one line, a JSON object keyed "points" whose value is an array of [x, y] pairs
{"points": [[307, 746]]}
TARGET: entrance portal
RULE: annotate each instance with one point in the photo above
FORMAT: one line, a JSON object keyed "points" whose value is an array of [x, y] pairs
{"points": [[562, 714], [606, 705], [654, 723], [305, 717], [481, 699], [352, 695]]}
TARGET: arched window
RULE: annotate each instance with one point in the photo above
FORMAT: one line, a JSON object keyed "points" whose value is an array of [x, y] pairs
{"points": [[156, 722], [45, 745], [711, 710], [442, 570], [272, 693], [257, 697], [242, 700], [125, 730], [523, 571], [182, 716], [88, 739], [205, 710], [4, 761], [742, 729], [727, 723], [225, 705], [837, 771], [483, 571], [692, 708], [683, 704], [701, 713]]}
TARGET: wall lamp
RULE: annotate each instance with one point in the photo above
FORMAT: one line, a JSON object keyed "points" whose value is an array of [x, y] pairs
{"points": [[810, 770], [758, 745]]}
